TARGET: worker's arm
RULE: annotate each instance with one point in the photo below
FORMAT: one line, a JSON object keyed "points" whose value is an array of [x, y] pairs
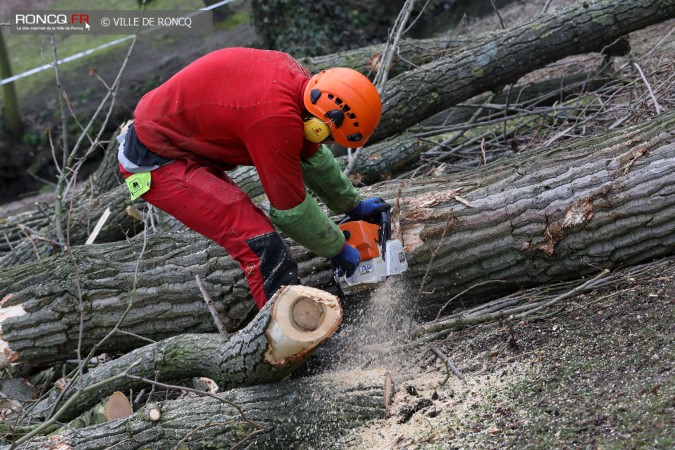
{"points": [[308, 225], [322, 175], [295, 212]]}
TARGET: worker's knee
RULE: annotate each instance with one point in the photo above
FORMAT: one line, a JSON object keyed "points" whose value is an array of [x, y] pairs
{"points": [[277, 266]]}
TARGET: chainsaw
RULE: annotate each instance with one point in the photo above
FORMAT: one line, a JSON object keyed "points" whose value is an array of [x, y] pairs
{"points": [[381, 256]]}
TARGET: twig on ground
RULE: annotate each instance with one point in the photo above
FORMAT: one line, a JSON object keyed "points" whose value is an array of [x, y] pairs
{"points": [[482, 283], [501, 21], [590, 284], [448, 361], [98, 226], [649, 88], [545, 8]]}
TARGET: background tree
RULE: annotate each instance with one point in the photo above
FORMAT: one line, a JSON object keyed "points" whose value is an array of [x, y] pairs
{"points": [[10, 107], [311, 28]]}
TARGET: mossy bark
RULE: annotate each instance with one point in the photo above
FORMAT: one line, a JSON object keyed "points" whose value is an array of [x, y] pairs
{"points": [[269, 348], [411, 53], [301, 413]]}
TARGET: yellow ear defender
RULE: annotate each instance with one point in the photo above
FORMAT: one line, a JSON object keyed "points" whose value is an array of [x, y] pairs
{"points": [[316, 130]]}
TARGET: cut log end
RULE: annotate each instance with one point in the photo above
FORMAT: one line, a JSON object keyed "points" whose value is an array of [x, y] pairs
{"points": [[117, 406], [7, 355], [154, 414], [301, 318]]}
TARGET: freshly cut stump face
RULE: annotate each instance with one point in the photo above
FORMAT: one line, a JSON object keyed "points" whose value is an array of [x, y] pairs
{"points": [[301, 318], [306, 314]]}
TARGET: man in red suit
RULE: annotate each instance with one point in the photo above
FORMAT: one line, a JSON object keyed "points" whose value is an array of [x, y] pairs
{"points": [[261, 108]]}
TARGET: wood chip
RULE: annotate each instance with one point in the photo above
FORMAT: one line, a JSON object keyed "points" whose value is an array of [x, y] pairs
{"points": [[389, 390]]}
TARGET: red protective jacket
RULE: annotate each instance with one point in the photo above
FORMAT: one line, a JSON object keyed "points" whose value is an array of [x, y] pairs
{"points": [[236, 106]]}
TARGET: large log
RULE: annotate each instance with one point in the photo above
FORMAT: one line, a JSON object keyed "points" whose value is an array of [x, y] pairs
{"points": [[585, 26], [281, 336], [409, 99], [300, 413], [541, 216], [411, 53], [30, 236]]}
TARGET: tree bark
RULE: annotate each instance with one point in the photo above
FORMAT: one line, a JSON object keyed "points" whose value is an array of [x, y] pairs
{"points": [[493, 63], [271, 346], [421, 85], [411, 53], [553, 214], [313, 412], [30, 236], [489, 64]]}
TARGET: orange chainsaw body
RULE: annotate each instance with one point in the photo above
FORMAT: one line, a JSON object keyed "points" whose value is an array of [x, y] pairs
{"points": [[380, 256], [364, 237]]}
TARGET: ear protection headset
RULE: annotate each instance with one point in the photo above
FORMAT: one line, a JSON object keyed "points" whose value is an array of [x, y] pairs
{"points": [[316, 130]]}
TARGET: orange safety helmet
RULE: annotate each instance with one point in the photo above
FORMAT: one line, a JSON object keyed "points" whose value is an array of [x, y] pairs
{"points": [[347, 101]]}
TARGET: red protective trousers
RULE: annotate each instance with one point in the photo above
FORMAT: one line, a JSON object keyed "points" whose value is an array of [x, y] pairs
{"points": [[209, 202]]}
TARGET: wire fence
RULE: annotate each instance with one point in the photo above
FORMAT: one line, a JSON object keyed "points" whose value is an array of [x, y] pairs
{"points": [[93, 50]]}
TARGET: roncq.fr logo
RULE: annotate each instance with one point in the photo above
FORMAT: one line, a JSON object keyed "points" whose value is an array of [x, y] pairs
{"points": [[51, 19]]}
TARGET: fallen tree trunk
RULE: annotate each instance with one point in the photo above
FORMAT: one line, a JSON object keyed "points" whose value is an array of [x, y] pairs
{"points": [[298, 413], [29, 236], [538, 217], [506, 56], [489, 62], [411, 53], [409, 99], [278, 340]]}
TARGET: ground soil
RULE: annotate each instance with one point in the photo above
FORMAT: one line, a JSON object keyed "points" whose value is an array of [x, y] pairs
{"points": [[597, 372]]}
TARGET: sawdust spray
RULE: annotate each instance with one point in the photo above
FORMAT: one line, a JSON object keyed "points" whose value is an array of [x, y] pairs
{"points": [[374, 326]]}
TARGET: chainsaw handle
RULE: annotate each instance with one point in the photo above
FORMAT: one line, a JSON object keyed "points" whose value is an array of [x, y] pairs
{"points": [[385, 231]]}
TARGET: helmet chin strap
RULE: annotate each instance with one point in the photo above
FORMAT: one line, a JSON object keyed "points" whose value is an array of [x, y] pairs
{"points": [[316, 130]]}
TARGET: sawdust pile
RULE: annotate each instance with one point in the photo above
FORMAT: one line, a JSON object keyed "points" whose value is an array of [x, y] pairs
{"points": [[429, 406]]}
